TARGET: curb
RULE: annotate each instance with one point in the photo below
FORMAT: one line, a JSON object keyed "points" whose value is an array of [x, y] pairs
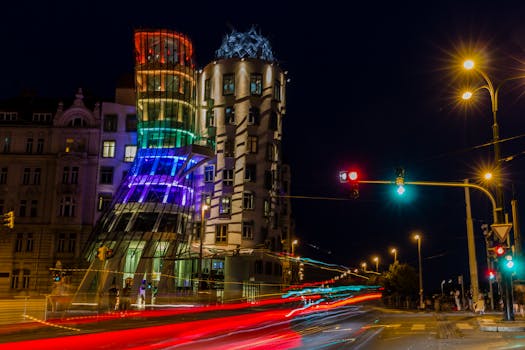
{"points": [[504, 326]]}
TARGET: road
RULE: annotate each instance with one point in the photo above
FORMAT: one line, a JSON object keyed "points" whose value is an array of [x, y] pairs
{"points": [[351, 326]]}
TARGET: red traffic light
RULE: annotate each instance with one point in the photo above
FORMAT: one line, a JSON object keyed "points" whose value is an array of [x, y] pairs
{"points": [[499, 250], [492, 274], [348, 176]]}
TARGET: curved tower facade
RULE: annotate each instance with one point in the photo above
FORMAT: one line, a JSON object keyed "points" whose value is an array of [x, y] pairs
{"points": [[242, 104], [145, 234]]}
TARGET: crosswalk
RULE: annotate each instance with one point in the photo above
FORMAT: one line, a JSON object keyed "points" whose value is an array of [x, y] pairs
{"points": [[462, 326]]}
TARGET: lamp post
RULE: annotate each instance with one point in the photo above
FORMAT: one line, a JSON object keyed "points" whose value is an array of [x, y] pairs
{"points": [[363, 265], [376, 260], [394, 251], [204, 207], [418, 239], [294, 243], [494, 92]]}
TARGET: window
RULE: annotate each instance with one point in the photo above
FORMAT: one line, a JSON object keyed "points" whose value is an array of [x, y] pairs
{"points": [[277, 90], [228, 148], [248, 200], [266, 208], [252, 144], [23, 208], [40, 146], [106, 175], [25, 278], [221, 233], [29, 145], [271, 152], [131, 122], [74, 175], [33, 211], [69, 144], [65, 175], [19, 242], [3, 176], [207, 89], [29, 242], [110, 122], [26, 176], [41, 117], [209, 173], [247, 230], [77, 122], [108, 149], [104, 201], [255, 84], [7, 144], [225, 205], [229, 114], [249, 173], [268, 179], [8, 116], [228, 84], [258, 266], [210, 118], [15, 279], [254, 115], [67, 206], [227, 177], [66, 242], [130, 151], [36, 176], [273, 121]]}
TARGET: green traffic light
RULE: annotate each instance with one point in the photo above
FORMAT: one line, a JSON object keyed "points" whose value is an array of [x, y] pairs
{"points": [[401, 190]]}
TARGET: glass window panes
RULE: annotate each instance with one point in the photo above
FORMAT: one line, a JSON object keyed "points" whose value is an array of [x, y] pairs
{"points": [[255, 84], [228, 84], [108, 149]]}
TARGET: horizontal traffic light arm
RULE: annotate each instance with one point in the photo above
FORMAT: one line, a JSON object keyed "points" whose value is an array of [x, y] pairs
{"points": [[495, 209]]}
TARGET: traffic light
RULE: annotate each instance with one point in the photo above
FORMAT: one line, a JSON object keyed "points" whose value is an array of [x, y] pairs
{"points": [[9, 219], [400, 180], [492, 275], [508, 262], [352, 177], [102, 253], [56, 276], [499, 250]]}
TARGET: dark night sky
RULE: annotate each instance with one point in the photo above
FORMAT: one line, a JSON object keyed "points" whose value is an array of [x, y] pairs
{"points": [[371, 87]]}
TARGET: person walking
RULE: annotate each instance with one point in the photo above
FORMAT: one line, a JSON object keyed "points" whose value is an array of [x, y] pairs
{"points": [[113, 297], [125, 301]]}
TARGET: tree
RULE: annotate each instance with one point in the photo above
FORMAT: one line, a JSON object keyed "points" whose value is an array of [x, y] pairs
{"points": [[401, 280]]}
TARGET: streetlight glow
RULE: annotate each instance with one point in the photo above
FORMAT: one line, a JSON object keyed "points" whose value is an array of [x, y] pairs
{"points": [[467, 95], [376, 260], [468, 64], [394, 251], [488, 176]]}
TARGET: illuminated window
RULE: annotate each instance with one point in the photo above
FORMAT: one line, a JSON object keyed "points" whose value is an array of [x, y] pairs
{"points": [[130, 151], [255, 84], [228, 84], [209, 173], [227, 177], [225, 205], [104, 201], [69, 144], [41, 117], [221, 233], [248, 200], [252, 144], [110, 122], [108, 149], [247, 230]]}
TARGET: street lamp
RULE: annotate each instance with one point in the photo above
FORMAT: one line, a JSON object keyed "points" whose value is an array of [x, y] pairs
{"points": [[294, 243], [376, 260], [394, 251], [418, 239], [493, 92], [363, 265]]}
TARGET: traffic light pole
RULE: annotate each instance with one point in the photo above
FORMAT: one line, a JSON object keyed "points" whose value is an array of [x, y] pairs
{"points": [[471, 246]]}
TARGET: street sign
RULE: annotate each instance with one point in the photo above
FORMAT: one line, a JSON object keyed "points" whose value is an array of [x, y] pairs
{"points": [[501, 230]]}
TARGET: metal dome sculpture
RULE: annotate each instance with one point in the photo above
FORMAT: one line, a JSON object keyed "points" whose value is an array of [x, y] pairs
{"points": [[245, 45]]}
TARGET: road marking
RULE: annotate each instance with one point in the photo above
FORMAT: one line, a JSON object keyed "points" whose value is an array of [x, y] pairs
{"points": [[464, 326], [418, 327]]}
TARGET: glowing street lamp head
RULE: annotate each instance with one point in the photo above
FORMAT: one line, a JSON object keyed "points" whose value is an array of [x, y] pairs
{"points": [[488, 176], [417, 237], [468, 64], [393, 251], [466, 95]]}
